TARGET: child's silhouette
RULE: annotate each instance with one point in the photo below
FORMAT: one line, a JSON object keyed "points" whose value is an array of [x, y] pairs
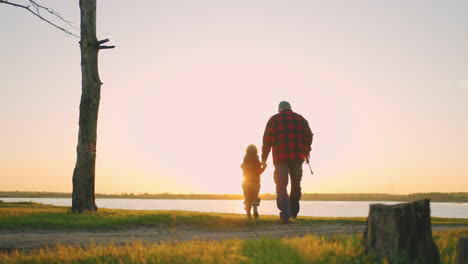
{"points": [[252, 168]]}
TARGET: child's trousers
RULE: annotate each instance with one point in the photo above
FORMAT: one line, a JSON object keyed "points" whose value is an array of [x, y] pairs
{"points": [[251, 190]]}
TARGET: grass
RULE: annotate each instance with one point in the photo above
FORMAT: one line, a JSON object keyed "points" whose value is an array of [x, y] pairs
{"points": [[306, 249], [447, 243], [27, 215]]}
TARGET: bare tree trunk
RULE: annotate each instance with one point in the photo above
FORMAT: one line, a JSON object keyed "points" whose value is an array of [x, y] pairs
{"points": [[462, 251], [83, 198], [401, 231]]}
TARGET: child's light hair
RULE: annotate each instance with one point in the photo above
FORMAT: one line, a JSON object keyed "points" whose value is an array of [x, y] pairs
{"points": [[251, 149]]}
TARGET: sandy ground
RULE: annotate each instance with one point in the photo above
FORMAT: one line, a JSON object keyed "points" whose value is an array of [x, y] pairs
{"points": [[28, 239]]}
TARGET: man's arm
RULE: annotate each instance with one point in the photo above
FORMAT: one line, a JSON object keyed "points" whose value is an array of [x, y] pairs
{"points": [[267, 141], [308, 137]]}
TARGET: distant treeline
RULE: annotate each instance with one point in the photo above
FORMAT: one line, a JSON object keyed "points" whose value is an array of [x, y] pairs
{"points": [[434, 196]]}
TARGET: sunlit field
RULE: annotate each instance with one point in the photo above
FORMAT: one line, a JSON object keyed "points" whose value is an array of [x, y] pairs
{"points": [[307, 249], [303, 249], [33, 215], [266, 250]]}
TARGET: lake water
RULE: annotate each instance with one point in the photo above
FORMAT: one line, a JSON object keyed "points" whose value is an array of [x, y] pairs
{"points": [[308, 208]]}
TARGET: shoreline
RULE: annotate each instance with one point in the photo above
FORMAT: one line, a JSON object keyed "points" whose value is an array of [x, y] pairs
{"points": [[460, 197]]}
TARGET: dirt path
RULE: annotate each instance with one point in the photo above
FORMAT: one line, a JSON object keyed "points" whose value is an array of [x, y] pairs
{"points": [[28, 239]]}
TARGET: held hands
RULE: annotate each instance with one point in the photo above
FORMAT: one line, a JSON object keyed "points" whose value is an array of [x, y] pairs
{"points": [[264, 164]]}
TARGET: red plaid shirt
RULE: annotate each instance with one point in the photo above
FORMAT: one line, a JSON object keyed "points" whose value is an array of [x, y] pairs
{"points": [[290, 137]]}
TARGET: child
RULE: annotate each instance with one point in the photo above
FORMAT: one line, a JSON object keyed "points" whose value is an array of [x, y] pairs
{"points": [[252, 169]]}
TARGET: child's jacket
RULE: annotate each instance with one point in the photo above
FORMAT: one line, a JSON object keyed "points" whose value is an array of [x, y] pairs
{"points": [[252, 168]]}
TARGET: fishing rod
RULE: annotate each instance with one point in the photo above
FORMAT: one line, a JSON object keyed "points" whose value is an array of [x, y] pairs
{"points": [[308, 163]]}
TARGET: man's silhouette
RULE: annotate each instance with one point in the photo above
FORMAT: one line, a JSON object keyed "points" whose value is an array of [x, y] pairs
{"points": [[289, 137]]}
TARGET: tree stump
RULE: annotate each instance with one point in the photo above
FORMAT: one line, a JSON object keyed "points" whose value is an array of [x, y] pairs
{"points": [[401, 231], [462, 251]]}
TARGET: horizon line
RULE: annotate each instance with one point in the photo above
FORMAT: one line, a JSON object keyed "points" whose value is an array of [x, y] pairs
{"points": [[170, 193]]}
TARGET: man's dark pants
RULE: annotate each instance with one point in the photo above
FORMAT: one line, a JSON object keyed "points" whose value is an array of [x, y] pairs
{"points": [[288, 204]]}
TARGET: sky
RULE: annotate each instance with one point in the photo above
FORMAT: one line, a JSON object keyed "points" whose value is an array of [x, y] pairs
{"points": [[190, 84]]}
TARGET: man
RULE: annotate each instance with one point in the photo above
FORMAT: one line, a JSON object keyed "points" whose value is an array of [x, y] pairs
{"points": [[289, 137]]}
